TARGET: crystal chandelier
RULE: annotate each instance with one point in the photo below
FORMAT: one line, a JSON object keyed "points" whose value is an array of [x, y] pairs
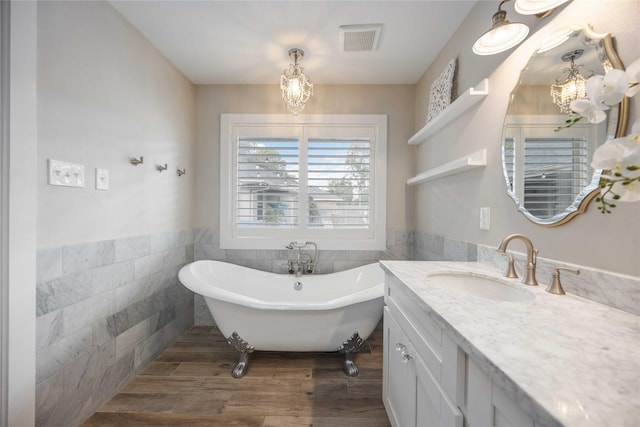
{"points": [[572, 86], [295, 85]]}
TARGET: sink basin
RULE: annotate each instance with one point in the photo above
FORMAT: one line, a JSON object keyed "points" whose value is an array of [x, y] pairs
{"points": [[480, 286]]}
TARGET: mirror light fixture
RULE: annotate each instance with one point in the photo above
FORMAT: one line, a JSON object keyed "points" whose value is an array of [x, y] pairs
{"points": [[537, 7], [572, 86], [295, 85], [502, 35]]}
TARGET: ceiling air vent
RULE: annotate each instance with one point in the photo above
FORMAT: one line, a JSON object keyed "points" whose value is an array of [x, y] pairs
{"points": [[359, 38]]}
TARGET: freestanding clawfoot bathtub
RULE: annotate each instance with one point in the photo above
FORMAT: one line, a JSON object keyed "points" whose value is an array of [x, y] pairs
{"points": [[258, 310]]}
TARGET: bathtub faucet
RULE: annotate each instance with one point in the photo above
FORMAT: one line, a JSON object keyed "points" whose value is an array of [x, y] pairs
{"points": [[303, 263]]}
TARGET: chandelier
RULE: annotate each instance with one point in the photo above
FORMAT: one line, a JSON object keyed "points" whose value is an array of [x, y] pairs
{"points": [[572, 86], [295, 85]]}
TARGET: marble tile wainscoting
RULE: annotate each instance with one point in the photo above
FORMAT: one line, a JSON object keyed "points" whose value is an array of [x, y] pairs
{"points": [[105, 310], [207, 246], [605, 287], [433, 247]]}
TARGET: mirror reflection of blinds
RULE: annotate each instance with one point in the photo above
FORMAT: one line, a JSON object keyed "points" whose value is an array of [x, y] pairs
{"points": [[267, 182], [556, 170], [338, 177]]}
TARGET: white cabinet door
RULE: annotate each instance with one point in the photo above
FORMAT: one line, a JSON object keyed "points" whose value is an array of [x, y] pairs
{"points": [[412, 395], [399, 392], [433, 407], [488, 404]]}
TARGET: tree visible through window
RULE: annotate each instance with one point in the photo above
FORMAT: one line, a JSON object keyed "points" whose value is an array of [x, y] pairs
{"points": [[305, 179]]}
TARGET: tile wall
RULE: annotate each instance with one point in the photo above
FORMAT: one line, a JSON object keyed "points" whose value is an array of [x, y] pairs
{"points": [[615, 290], [104, 311]]}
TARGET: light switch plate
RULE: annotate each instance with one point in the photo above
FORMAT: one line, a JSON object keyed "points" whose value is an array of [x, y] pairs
{"points": [[66, 174], [485, 218], [102, 179]]}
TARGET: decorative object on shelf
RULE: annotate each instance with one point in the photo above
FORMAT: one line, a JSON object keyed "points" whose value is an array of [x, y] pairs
{"points": [[537, 7], [161, 168], [136, 162], [619, 158], [466, 100], [295, 85], [441, 91], [572, 85], [502, 35], [182, 172]]}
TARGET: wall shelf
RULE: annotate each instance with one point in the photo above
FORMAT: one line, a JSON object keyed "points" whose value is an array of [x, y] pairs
{"points": [[472, 161], [465, 101]]}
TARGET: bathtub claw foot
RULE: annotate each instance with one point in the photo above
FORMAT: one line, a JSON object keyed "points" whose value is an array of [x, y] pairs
{"points": [[350, 348], [244, 348]]}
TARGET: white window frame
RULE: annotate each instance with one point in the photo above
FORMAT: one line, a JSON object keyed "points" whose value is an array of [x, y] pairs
{"points": [[330, 239]]}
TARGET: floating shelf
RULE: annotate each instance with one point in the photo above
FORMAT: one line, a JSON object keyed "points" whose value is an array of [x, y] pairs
{"points": [[465, 101], [472, 161]]}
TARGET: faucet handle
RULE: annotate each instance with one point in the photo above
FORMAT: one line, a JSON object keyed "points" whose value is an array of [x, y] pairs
{"points": [[556, 287], [511, 271]]}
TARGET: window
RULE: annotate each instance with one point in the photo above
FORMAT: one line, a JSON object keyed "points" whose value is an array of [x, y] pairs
{"points": [[318, 178], [547, 170]]}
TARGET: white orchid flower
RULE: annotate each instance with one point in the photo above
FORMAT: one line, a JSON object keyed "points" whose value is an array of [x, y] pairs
{"points": [[633, 76], [607, 90], [622, 157], [588, 110], [628, 192], [618, 155]]}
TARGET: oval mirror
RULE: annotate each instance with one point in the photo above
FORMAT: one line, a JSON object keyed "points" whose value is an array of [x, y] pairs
{"points": [[547, 167]]}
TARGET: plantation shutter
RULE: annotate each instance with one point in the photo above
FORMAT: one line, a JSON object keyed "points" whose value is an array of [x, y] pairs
{"points": [[267, 182], [338, 182]]}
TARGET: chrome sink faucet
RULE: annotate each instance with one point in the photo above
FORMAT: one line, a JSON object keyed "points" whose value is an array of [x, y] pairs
{"points": [[532, 255]]}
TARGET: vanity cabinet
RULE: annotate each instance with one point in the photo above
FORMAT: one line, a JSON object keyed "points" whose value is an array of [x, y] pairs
{"points": [[488, 404], [418, 388], [428, 380]]}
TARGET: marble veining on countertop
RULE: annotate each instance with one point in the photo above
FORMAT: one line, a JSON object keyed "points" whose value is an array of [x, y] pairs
{"points": [[566, 360]]}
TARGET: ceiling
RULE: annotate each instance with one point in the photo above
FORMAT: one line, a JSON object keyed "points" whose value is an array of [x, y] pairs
{"points": [[246, 42]]}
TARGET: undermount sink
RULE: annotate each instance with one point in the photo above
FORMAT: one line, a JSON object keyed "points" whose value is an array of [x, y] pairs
{"points": [[480, 286]]}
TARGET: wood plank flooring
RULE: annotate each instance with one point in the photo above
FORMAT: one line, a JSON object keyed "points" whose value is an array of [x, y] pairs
{"points": [[190, 384]]}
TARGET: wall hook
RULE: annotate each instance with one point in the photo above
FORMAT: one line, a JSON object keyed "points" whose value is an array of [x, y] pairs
{"points": [[161, 168], [136, 162], [182, 172]]}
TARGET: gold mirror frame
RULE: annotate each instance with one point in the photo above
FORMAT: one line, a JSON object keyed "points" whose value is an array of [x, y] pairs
{"points": [[610, 60]]}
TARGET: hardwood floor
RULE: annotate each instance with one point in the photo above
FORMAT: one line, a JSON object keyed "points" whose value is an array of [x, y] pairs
{"points": [[190, 384]]}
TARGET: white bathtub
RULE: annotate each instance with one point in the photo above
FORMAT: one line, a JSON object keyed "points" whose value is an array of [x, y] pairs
{"points": [[266, 311]]}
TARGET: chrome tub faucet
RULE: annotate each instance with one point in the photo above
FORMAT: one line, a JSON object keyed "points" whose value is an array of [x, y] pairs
{"points": [[304, 262], [532, 256]]}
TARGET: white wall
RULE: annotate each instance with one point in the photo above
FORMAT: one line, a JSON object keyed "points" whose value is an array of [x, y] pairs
{"points": [[106, 94], [21, 236], [450, 206], [394, 100]]}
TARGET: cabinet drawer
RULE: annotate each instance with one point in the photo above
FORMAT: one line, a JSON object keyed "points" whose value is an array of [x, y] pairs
{"points": [[401, 297]]}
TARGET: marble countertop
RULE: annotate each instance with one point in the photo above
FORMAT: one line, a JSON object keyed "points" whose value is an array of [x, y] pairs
{"points": [[566, 360]]}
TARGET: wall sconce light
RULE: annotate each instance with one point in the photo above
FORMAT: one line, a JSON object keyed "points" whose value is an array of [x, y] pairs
{"points": [[502, 35], [295, 85], [572, 86], [537, 7]]}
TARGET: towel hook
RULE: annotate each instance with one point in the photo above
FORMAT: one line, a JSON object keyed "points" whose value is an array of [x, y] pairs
{"points": [[136, 162]]}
